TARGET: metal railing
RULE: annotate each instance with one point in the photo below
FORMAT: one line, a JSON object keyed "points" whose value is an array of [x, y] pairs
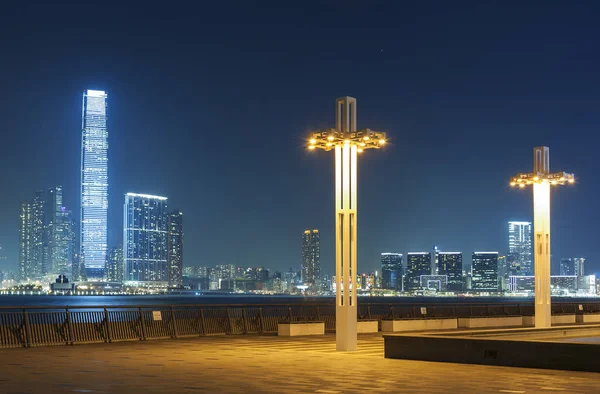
{"points": [[44, 326]]}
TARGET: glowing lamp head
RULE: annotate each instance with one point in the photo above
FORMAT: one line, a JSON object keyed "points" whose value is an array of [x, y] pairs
{"points": [[312, 141], [381, 142], [359, 150], [329, 144], [347, 142], [330, 138], [311, 147], [366, 138], [513, 183], [535, 178], [571, 180], [521, 185], [362, 144]]}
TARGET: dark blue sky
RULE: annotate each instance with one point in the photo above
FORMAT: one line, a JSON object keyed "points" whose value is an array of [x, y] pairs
{"points": [[209, 105]]}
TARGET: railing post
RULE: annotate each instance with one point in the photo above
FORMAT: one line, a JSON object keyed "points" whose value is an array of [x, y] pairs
{"points": [[229, 321], [27, 329], [244, 317], [260, 320], [318, 314], [142, 325], [69, 327], [290, 313], [174, 326], [369, 311], [202, 322], [107, 326]]}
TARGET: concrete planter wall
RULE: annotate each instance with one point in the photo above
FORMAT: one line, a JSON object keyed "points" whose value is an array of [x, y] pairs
{"points": [[300, 329], [367, 326], [418, 325], [496, 321]]}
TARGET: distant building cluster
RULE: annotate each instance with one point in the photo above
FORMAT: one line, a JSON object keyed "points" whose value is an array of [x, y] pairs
{"points": [[52, 245]]}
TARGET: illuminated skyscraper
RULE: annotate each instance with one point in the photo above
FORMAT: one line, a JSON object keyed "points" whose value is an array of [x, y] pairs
{"points": [[417, 264], [25, 242], [392, 271], [58, 235], [114, 265], [451, 265], [175, 249], [485, 271], [572, 266], [519, 247], [145, 233], [311, 258], [94, 184]]}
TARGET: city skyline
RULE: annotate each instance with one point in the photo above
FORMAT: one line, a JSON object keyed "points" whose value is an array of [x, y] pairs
{"points": [[460, 122]]}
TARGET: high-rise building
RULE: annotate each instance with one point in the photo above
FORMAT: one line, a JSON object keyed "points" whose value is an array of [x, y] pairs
{"points": [[58, 243], [25, 242], [572, 266], [519, 247], [451, 265], [417, 264], [175, 249], [37, 237], [435, 260], [485, 271], [145, 234], [311, 258], [94, 184], [392, 271], [114, 265]]}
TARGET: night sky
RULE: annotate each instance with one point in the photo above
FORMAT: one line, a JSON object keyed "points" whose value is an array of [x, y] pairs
{"points": [[209, 105]]}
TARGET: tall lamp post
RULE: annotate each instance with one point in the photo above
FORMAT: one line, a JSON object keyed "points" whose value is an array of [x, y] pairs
{"points": [[542, 180], [347, 143]]}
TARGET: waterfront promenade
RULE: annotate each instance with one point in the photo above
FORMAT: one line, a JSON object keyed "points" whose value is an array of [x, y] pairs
{"points": [[261, 364]]}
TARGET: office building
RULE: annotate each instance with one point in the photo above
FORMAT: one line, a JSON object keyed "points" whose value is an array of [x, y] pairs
{"points": [[450, 264], [392, 271], [560, 284], [485, 271], [145, 234], [572, 266], [175, 249], [58, 242], [435, 260], [114, 265], [417, 264], [438, 283], [25, 242], [519, 247], [311, 258], [94, 185]]}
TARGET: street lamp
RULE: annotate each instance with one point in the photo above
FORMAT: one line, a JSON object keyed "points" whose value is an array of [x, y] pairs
{"points": [[542, 180], [347, 143]]}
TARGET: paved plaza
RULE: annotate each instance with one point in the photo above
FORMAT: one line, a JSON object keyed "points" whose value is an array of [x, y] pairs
{"points": [[262, 364]]}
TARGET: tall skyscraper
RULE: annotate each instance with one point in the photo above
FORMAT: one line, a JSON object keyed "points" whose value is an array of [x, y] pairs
{"points": [[572, 266], [392, 271], [311, 258], [94, 184], [519, 247], [175, 249], [417, 264], [25, 241], [485, 271], [58, 235], [145, 234], [114, 265], [451, 265]]}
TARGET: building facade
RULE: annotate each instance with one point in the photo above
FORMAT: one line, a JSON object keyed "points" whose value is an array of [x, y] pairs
{"points": [[145, 233], [25, 242], [484, 271], [450, 264], [175, 249], [519, 248], [58, 257], [417, 264], [114, 265], [392, 271], [311, 258], [94, 185]]}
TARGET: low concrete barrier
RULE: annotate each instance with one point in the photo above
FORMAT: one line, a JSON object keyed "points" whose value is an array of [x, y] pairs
{"points": [[402, 325], [495, 321], [300, 328], [589, 318], [529, 321], [367, 326]]}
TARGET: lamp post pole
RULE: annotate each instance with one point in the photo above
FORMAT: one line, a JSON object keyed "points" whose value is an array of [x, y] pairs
{"points": [[347, 143], [542, 180]]}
